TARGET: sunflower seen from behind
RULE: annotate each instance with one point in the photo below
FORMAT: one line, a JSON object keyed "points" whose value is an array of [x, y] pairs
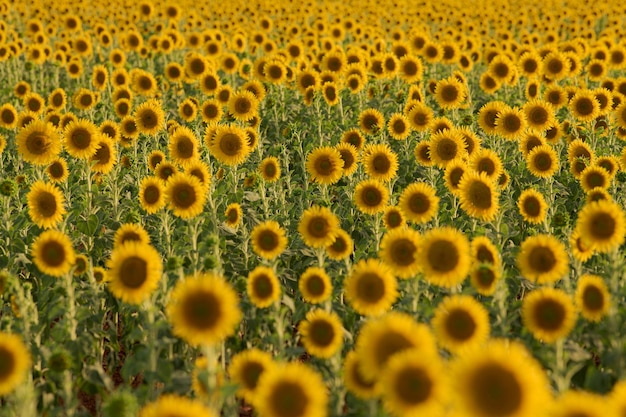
{"points": [[503, 367], [46, 204], [593, 298], [321, 333], [371, 288], [549, 314], [204, 309], [15, 362], [444, 256], [414, 384], [53, 253], [460, 323], [263, 287], [291, 390]]}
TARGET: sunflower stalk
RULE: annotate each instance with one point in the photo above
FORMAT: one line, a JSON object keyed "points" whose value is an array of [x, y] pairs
{"points": [[71, 304], [215, 397], [562, 382]]}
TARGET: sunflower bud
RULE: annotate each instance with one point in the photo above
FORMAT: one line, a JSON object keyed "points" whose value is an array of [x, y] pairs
{"points": [[120, 404]]}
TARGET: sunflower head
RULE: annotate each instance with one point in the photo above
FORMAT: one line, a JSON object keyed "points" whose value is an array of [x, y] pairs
{"points": [[263, 287], [549, 314]]}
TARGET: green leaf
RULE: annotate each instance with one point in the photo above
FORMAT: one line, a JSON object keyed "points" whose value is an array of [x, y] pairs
{"points": [[89, 226]]}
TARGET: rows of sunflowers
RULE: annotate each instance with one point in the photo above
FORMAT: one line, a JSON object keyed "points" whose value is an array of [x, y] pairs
{"points": [[312, 208]]}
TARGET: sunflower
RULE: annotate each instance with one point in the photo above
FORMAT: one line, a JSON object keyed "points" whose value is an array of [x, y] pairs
{"points": [[269, 169], [110, 129], [542, 259], [601, 225], [399, 250], [555, 95], [450, 93], [342, 247], [105, 157], [593, 298], [393, 218], [291, 390], [34, 103], [130, 232], [353, 378], [183, 146], [444, 256], [594, 176], [184, 195], [510, 123], [584, 106], [325, 165], [38, 143], [170, 405], [318, 226], [371, 196], [315, 285], [487, 161], [582, 403], [246, 368], [353, 137], [460, 323], [229, 145], [8, 116], [268, 239], [420, 116], [539, 115], [371, 121], [371, 288], [413, 384], [58, 170], [45, 204], [322, 333], [210, 82], [532, 206], [484, 278], [330, 92], [488, 114], [134, 271], [488, 83], [506, 368], [233, 215], [549, 314], [263, 287], [144, 83], [398, 126], [422, 153], [204, 309], [382, 338], [380, 162], [479, 197], [15, 362], [446, 146], [152, 194], [350, 156], [542, 161], [81, 139], [617, 397], [149, 117], [53, 253], [243, 105]]}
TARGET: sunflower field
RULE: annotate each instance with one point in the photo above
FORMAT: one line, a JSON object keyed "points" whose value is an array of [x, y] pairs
{"points": [[313, 208]]}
